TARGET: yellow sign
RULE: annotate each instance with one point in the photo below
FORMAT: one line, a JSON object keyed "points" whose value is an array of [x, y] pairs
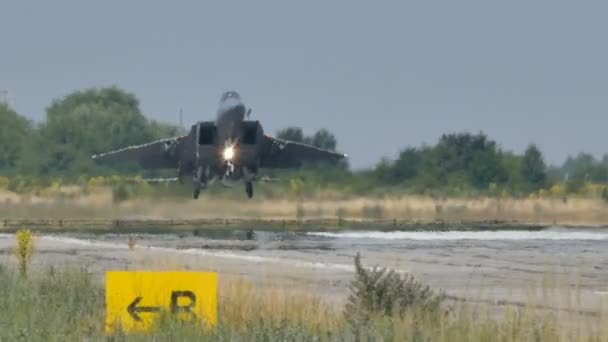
{"points": [[134, 300]]}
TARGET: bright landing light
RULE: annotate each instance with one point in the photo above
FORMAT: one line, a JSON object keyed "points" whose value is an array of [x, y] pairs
{"points": [[228, 153]]}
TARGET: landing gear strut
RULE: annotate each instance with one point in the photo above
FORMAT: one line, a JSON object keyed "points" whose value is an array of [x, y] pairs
{"points": [[199, 182], [196, 190], [229, 169], [249, 189]]}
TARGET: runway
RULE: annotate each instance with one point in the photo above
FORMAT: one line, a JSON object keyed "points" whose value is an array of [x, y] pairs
{"points": [[556, 268]]}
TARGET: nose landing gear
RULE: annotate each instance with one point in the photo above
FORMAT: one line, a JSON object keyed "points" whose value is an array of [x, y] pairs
{"points": [[229, 169]]}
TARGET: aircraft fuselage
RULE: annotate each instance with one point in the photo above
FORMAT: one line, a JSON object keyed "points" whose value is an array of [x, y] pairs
{"points": [[235, 142]]}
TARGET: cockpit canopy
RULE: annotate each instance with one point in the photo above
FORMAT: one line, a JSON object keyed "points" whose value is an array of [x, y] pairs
{"points": [[230, 95]]}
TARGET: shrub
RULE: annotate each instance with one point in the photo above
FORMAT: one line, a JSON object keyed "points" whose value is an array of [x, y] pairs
{"points": [[120, 193], [384, 292], [557, 190], [17, 184], [4, 182], [296, 185], [24, 249]]}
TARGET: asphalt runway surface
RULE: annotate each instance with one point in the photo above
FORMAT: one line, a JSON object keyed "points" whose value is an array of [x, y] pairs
{"points": [[556, 268]]}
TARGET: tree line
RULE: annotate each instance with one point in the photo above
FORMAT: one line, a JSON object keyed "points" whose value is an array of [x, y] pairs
{"points": [[97, 120], [77, 126]]}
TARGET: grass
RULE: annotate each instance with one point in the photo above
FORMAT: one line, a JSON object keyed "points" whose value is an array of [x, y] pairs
{"points": [[68, 305], [98, 204], [52, 306]]}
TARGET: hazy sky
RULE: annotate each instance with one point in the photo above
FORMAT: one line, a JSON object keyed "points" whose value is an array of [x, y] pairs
{"points": [[380, 75]]}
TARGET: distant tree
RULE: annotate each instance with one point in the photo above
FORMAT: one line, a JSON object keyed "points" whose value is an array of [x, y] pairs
{"points": [[294, 134], [533, 168], [474, 156], [321, 139], [512, 164], [15, 137], [383, 171], [324, 139], [92, 121], [407, 166], [163, 130], [458, 162], [486, 168], [585, 167], [457, 151], [97, 120]]}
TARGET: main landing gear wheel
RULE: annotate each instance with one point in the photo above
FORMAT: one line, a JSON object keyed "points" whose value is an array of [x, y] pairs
{"points": [[249, 189]]}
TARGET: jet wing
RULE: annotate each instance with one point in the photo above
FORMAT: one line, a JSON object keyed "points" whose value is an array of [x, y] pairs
{"points": [[279, 153], [160, 154]]}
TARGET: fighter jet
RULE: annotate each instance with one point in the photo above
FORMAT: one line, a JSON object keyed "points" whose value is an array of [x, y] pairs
{"points": [[232, 149]]}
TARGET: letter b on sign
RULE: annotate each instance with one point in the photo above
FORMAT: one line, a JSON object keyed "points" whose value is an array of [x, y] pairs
{"points": [[182, 304]]}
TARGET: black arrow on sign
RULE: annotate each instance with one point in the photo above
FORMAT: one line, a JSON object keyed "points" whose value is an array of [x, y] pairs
{"points": [[133, 309]]}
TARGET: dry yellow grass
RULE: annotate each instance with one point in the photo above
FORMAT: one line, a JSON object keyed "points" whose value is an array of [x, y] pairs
{"points": [[241, 301], [98, 204]]}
